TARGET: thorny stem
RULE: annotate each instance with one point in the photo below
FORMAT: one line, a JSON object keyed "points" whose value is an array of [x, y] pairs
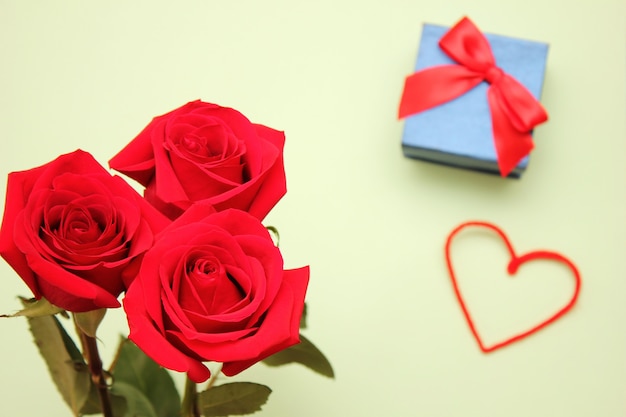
{"points": [[191, 407], [190, 400], [90, 350], [214, 376]]}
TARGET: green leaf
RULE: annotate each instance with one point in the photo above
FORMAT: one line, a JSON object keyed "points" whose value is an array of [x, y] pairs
{"points": [[137, 404], [35, 308], [70, 347], [275, 235], [89, 321], [92, 404], [134, 368], [303, 317], [304, 353], [234, 399], [67, 369]]}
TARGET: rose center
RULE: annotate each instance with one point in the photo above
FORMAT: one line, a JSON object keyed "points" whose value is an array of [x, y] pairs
{"points": [[78, 225], [191, 144], [210, 288], [199, 147], [206, 269]]}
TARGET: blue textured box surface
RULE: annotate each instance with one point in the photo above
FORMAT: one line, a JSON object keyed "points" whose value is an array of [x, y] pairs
{"points": [[459, 132]]}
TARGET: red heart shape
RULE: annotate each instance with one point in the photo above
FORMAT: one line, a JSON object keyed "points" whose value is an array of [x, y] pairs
{"points": [[514, 264]]}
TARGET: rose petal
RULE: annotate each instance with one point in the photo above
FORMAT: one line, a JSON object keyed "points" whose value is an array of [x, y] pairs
{"points": [[274, 334], [154, 344], [297, 280]]}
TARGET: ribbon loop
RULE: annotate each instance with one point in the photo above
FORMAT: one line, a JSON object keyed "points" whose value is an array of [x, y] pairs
{"points": [[514, 110], [467, 46]]}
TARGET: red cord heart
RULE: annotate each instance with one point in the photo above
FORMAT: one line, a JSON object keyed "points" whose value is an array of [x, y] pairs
{"points": [[513, 265]]}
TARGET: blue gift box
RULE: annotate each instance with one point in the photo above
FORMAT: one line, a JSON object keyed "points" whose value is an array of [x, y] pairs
{"points": [[459, 132]]}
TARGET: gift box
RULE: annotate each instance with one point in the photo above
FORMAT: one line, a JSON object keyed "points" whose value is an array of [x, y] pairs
{"points": [[460, 132]]}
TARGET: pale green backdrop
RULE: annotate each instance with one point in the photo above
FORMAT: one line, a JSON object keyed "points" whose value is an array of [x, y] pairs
{"points": [[372, 224]]}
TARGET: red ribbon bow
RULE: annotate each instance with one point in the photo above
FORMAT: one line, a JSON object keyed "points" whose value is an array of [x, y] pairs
{"points": [[514, 110]]}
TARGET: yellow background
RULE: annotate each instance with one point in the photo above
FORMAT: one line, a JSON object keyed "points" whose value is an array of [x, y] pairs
{"points": [[372, 224]]}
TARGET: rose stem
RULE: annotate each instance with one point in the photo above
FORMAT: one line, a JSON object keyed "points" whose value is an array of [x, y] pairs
{"points": [[90, 348], [190, 400]]}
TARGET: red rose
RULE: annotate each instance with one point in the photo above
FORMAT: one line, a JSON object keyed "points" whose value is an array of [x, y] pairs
{"points": [[70, 229], [213, 288], [205, 152]]}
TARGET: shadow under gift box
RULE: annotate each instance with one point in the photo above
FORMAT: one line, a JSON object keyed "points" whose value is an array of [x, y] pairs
{"points": [[459, 133]]}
